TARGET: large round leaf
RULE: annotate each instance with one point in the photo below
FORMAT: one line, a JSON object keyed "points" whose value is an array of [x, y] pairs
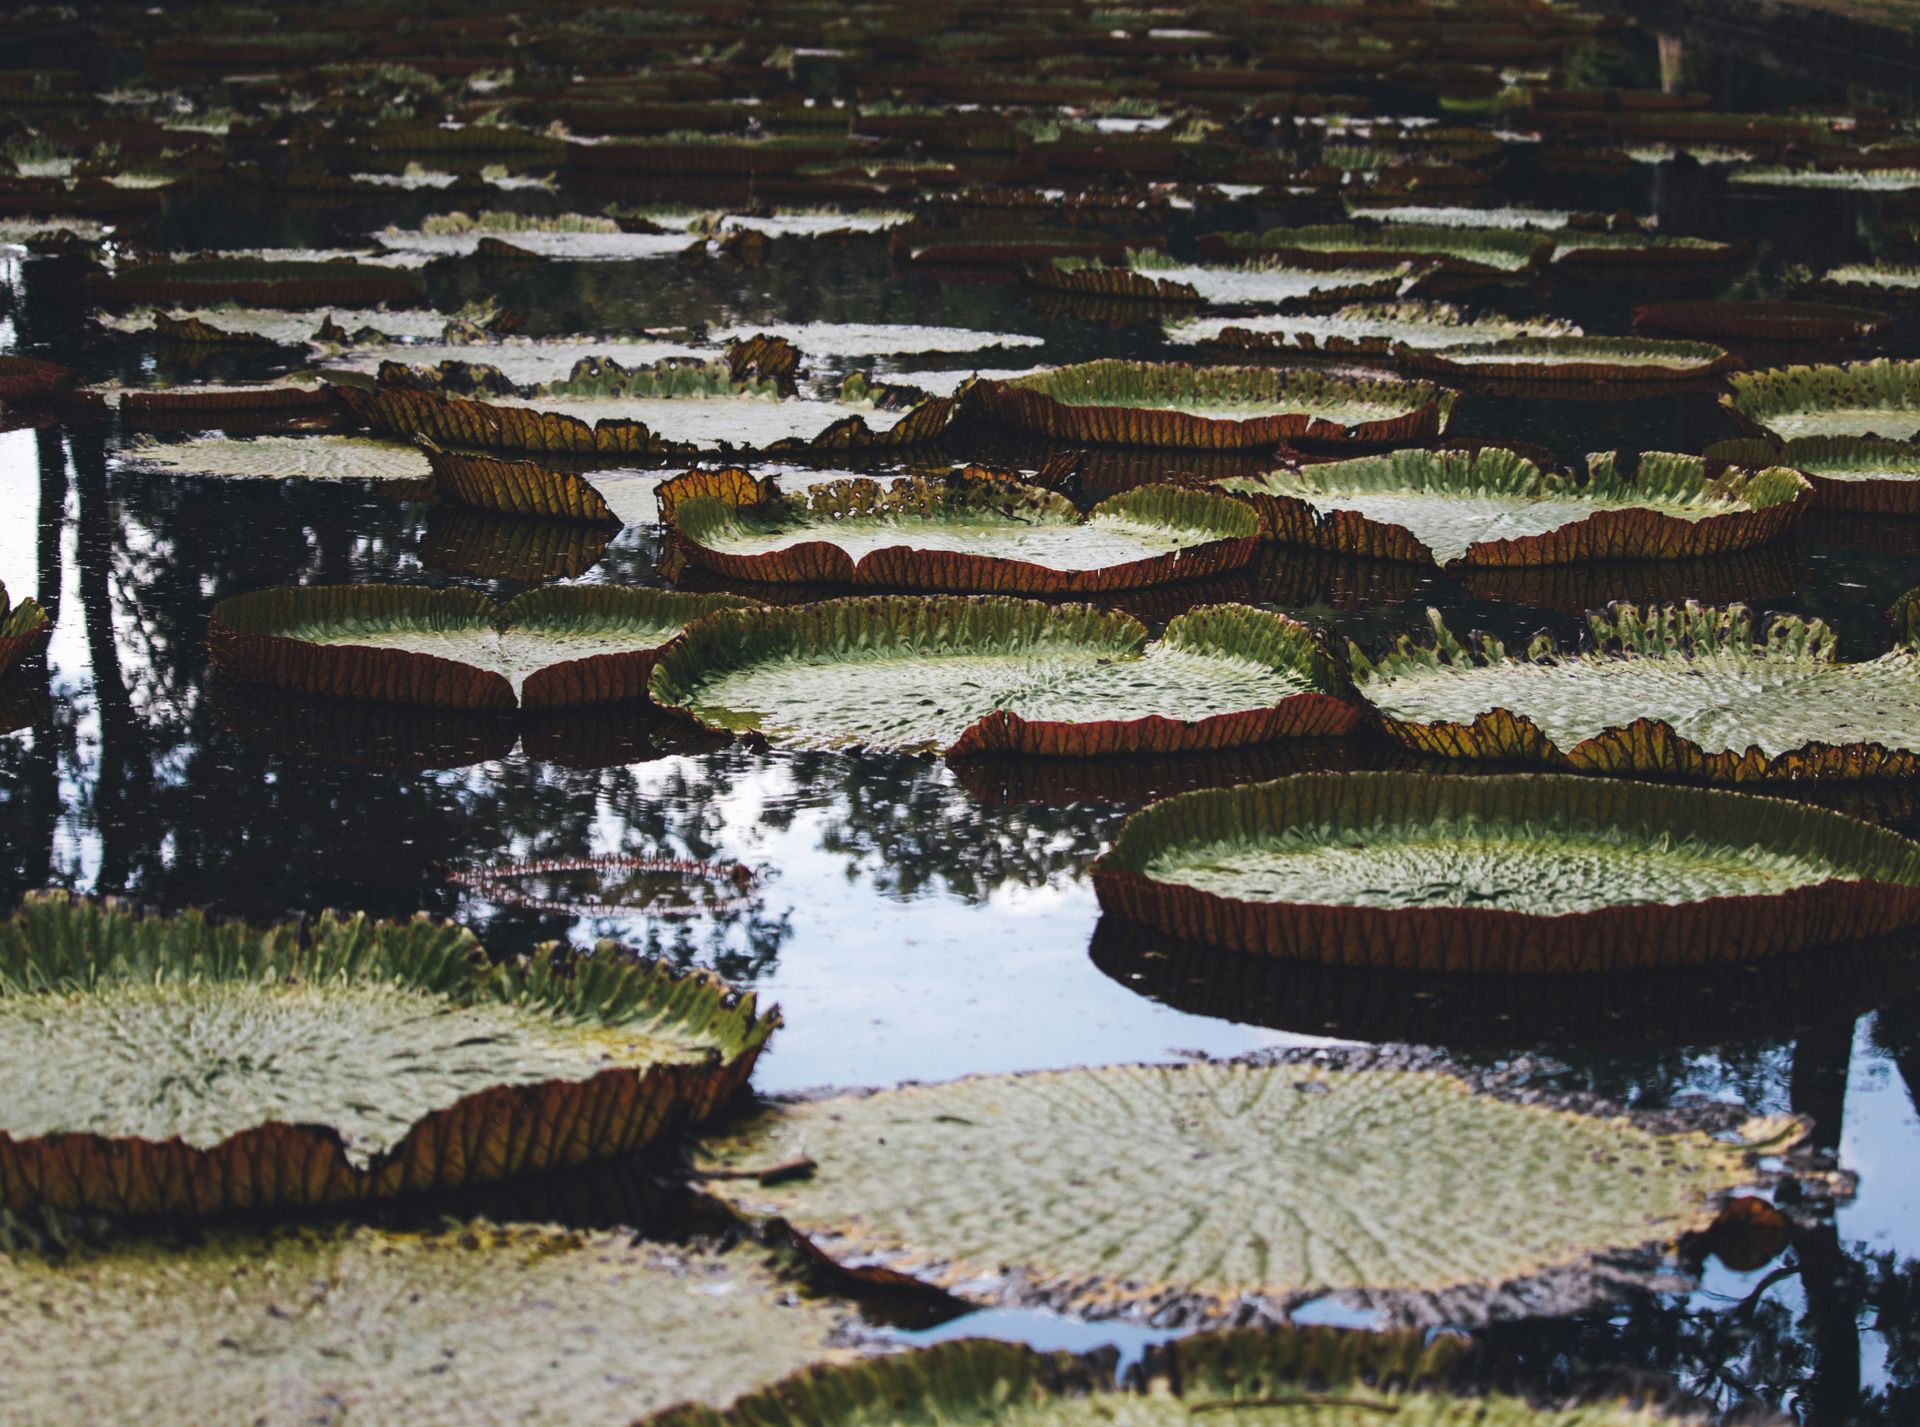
{"points": [[1589, 361], [1225, 408], [554, 647], [1316, 1377], [1872, 475], [319, 458], [973, 533], [1688, 690], [1526, 874], [473, 1324], [1001, 675], [1209, 1189], [1877, 398], [1493, 507], [165, 1065]]}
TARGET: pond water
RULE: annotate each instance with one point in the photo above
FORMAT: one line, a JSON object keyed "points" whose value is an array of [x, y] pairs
{"points": [[912, 919]]}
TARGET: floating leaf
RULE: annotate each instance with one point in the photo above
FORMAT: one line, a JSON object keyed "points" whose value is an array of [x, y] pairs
{"points": [[316, 458], [1858, 473], [987, 675], [24, 630], [548, 648], [1122, 403], [1760, 321], [1877, 398], [167, 1066], [1158, 1186], [1492, 507], [1525, 874], [1314, 1377], [1370, 329], [973, 533], [1452, 249], [472, 1323], [1594, 361], [1682, 690]]}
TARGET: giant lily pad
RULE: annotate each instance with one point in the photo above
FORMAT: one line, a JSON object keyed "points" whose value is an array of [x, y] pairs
{"points": [[1877, 398], [973, 533], [472, 1323], [1159, 1188], [1315, 1377], [166, 1065], [548, 648], [24, 628], [572, 237], [1760, 321], [519, 360], [1685, 690], [315, 458], [1522, 874], [245, 325], [1363, 329], [612, 427], [1491, 251], [1614, 255], [986, 675], [262, 283], [1858, 473], [1122, 403], [1493, 507], [1599, 361]]}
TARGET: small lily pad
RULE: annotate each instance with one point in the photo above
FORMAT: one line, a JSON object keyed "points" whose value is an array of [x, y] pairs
{"points": [[169, 1066], [1493, 507], [977, 532], [1684, 690], [985, 675], [1535, 873], [475, 1322], [549, 648], [1121, 403], [24, 629], [1158, 1183]]}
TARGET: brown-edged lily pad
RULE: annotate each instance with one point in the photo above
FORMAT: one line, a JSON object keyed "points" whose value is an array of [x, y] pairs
{"points": [[1159, 1186], [1760, 321], [1877, 398], [1454, 250], [465, 1323], [1592, 361], [1867, 474], [1493, 507], [1363, 330], [1120, 403], [308, 458], [1683, 690], [989, 674], [549, 648], [1314, 1377], [1535, 873], [171, 1066], [24, 629], [973, 533]]}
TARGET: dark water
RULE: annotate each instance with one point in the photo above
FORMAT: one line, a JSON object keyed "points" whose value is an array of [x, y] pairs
{"points": [[912, 919]]}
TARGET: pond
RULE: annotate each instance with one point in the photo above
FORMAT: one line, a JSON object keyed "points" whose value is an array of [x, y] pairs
{"points": [[918, 918]]}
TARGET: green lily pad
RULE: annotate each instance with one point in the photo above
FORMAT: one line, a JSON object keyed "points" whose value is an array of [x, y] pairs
{"points": [[1687, 690], [1363, 329], [972, 533], [1463, 250], [1596, 254], [24, 628], [1120, 403], [549, 648], [1876, 398], [1849, 180], [165, 1065], [278, 325], [1873, 279], [521, 361], [1493, 507], [314, 458], [568, 237], [1315, 1377], [477, 1322], [1599, 361], [1158, 1188], [1524, 874], [1000, 675], [1858, 473]]}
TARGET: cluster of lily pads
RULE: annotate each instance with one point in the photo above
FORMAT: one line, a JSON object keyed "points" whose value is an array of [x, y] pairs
{"points": [[214, 1133]]}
